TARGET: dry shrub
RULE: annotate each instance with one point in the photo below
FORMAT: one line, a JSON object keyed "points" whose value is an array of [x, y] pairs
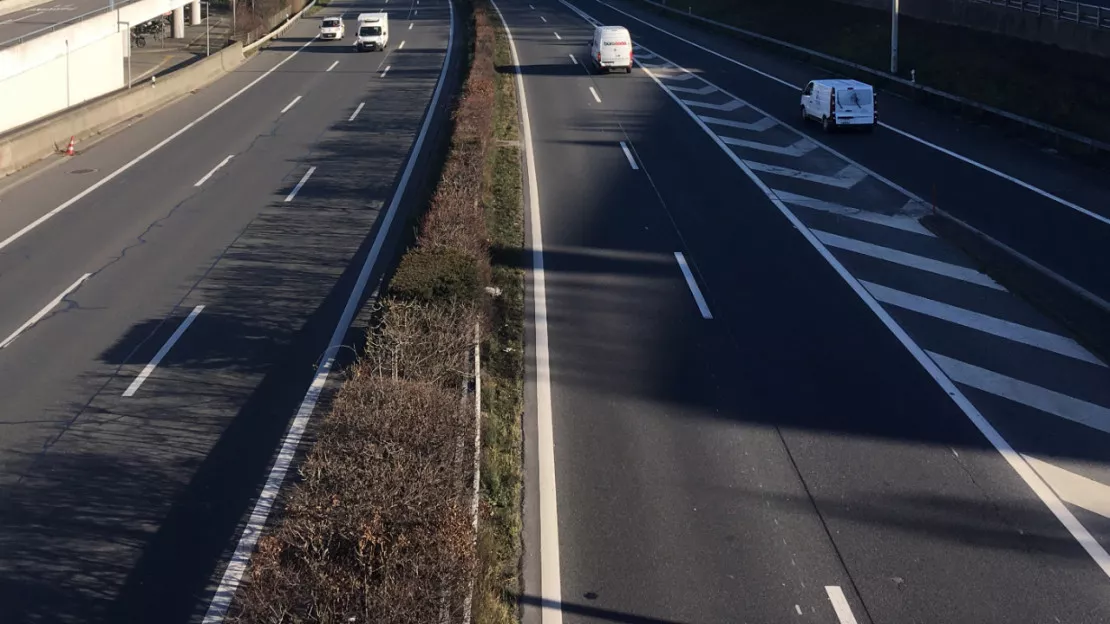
{"points": [[437, 275], [379, 530], [422, 342]]}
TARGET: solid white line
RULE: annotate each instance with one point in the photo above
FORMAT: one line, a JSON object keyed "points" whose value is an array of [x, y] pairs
{"points": [[214, 170], [628, 155], [557, 36], [291, 104], [551, 592], [898, 222], [296, 189], [1079, 532], [385, 71], [840, 604], [594, 93], [1055, 403], [906, 259], [357, 111], [149, 368], [702, 306], [233, 574], [981, 322], [402, 46], [44, 311], [134, 161], [1075, 489], [846, 178], [332, 66], [544, 19], [948, 152], [573, 60]]}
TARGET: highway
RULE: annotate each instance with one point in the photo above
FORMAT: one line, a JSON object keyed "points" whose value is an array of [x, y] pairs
{"points": [[175, 294], [760, 390]]}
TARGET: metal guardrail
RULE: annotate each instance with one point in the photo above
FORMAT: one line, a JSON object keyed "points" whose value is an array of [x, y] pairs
{"points": [[1078, 12], [64, 23]]}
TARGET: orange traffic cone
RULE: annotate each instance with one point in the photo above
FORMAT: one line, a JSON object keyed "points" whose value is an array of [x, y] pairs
{"points": [[69, 148]]}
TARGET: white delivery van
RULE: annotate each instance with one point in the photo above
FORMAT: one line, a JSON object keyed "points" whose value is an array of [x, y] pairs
{"points": [[612, 49], [332, 28], [840, 104], [373, 31]]}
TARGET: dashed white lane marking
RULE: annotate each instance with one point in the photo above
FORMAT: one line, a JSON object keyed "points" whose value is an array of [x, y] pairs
{"points": [[898, 222], [703, 307], [981, 322], [297, 189], [357, 111], [1050, 401], [798, 608], [1072, 488], [386, 70], [149, 368], [840, 604], [801, 147], [44, 311], [214, 170], [762, 125], [233, 573], [906, 259], [531, 7], [290, 105], [596, 97], [410, 25], [544, 19], [846, 178], [628, 155], [573, 60], [332, 66], [558, 37], [402, 46]]}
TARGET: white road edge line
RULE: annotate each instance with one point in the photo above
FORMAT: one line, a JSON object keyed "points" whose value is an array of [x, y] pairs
{"points": [[385, 71], [693, 284], [332, 66], [44, 311], [149, 368], [233, 574], [214, 170], [594, 93], [1012, 457], [551, 591], [573, 60], [628, 155], [402, 46], [291, 104], [134, 161], [297, 189], [357, 111], [840, 604], [912, 137]]}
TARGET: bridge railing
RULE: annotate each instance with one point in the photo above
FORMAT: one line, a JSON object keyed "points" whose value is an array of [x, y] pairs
{"points": [[1065, 10]]}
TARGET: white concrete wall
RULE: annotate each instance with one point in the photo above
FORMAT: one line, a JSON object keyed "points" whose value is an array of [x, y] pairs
{"points": [[97, 45], [67, 80]]}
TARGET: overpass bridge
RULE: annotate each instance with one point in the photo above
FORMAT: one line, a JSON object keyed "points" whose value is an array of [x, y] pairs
{"points": [[62, 53]]}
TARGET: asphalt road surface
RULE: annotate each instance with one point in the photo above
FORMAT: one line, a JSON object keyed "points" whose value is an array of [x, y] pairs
{"points": [[760, 390], [183, 306]]}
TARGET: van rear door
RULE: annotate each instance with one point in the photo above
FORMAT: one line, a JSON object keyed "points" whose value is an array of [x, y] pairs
{"points": [[855, 105], [616, 48]]}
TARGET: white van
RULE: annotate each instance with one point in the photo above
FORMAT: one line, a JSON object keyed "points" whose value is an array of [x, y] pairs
{"points": [[332, 28], [840, 104], [373, 31], [611, 49]]}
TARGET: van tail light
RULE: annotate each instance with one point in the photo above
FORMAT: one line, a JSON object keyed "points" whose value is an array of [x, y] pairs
{"points": [[631, 54], [599, 57]]}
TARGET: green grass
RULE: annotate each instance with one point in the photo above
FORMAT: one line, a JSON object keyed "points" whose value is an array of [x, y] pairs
{"points": [[499, 539], [1039, 81]]}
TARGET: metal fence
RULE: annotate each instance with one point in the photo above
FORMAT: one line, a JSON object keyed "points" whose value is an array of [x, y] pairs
{"points": [[1089, 14]]}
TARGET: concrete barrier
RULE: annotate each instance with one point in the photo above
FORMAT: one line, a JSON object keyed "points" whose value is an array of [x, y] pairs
{"points": [[40, 139]]}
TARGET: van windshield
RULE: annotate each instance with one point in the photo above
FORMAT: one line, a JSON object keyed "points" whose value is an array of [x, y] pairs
{"points": [[331, 23], [369, 31], [855, 98]]}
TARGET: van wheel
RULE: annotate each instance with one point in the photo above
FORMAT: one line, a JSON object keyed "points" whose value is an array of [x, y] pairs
{"points": [[805, 117], [628, 70], [825, 125]]}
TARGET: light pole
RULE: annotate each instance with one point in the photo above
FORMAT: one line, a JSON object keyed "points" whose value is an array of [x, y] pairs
{"points": [[127, 50], [894, 37], [207, 40]]}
